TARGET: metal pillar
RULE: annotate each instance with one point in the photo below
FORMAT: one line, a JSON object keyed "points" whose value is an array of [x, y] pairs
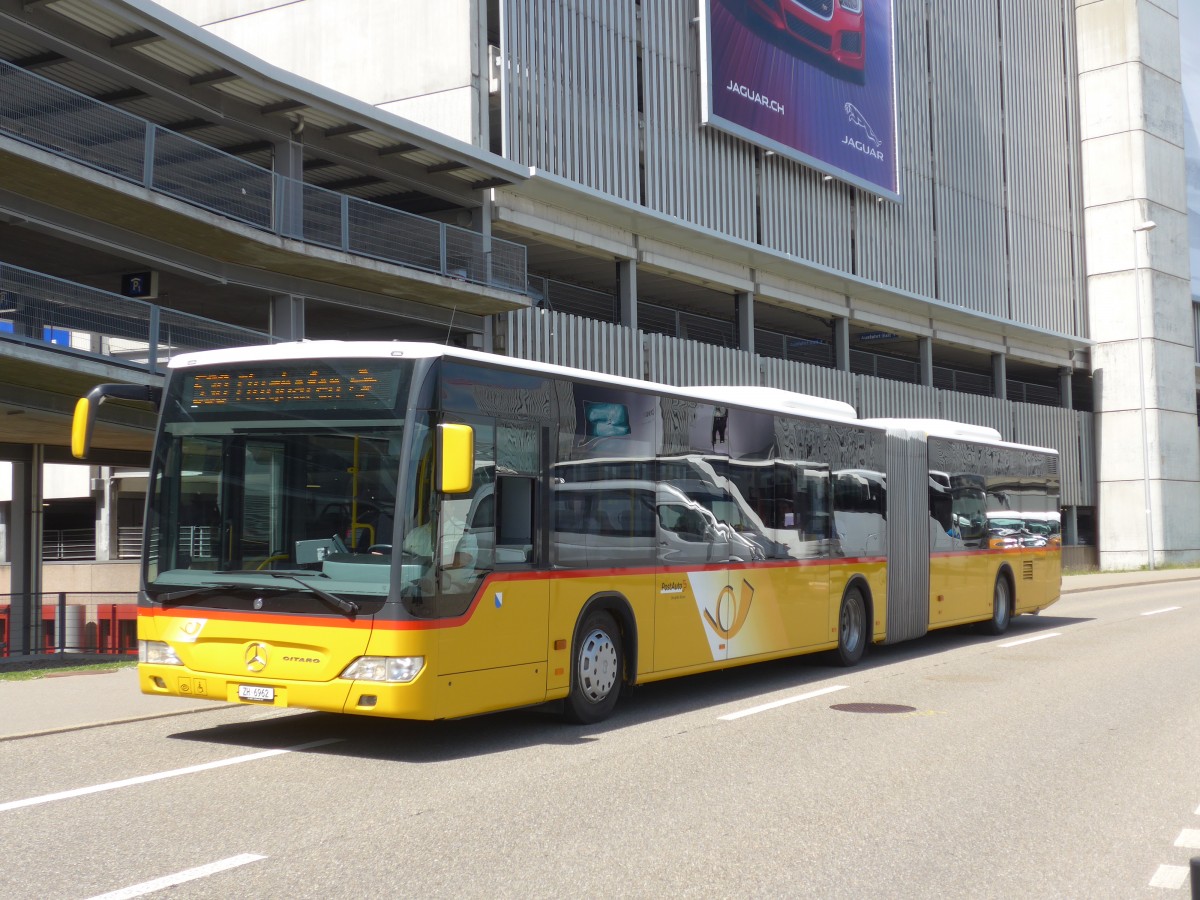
{"points": [[627, 295], [25, 613], [743, 310], [1070, 525], [841, 344], [925, 349], [287, 317], [999, 376], [288, 162], [1066, 400]]}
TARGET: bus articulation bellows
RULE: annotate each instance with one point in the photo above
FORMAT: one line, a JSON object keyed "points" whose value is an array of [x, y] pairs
{"points": [[416, 531]]}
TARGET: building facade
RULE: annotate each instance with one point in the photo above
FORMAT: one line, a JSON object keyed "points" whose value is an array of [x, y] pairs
{"points": [[918, 212]]}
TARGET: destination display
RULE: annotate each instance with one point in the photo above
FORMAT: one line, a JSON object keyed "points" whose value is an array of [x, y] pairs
{"points": [[300, 386]]}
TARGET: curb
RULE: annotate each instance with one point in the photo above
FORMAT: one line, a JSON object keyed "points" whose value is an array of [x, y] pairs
{"points": [[1078, 589], [64, 729]]}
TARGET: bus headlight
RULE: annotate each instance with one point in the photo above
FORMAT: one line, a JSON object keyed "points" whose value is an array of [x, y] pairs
{"points": [[397, 669], [157, 652]]}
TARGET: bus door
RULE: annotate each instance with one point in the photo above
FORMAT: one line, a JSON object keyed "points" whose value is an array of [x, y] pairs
{"points": [[694, 615], [491, 569]]}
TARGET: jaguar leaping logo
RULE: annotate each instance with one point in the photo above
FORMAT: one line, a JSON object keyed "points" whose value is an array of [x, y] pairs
{"points": [[854, 114]]}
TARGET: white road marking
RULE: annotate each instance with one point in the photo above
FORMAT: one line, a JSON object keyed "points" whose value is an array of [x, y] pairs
{"points": [[149, 887], [1190, 838], [158, 776], [1155, 612], [1030, 640], [784, 702], [1171, 877], [1198, 810]]}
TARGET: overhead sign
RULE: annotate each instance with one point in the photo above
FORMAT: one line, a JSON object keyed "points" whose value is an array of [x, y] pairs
{"points": [[878, 336], [813, 80]]}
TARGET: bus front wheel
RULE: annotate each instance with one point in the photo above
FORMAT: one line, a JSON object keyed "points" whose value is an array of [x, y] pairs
{"points": [[596, 670], [852, 627]]}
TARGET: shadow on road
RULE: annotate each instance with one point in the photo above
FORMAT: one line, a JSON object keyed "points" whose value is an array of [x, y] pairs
{"points": [[434, 742]]}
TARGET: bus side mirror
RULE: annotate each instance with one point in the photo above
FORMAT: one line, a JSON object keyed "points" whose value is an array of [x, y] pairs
{"points": [[84, 419], [456, 457]]}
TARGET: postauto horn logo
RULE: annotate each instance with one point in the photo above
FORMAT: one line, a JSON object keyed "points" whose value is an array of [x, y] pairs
{"points": [[730, 611]]}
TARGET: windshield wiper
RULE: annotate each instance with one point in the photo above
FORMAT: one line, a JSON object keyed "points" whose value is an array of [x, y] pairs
{"points": [[349, 607], [173, 596]]}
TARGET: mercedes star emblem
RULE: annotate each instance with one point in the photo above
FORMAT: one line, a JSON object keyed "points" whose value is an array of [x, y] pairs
{"points": [[256, 657]]}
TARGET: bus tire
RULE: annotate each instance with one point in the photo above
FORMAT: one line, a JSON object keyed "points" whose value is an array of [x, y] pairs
{"points": [[1001, 607], [597, 664], [852, 627]]}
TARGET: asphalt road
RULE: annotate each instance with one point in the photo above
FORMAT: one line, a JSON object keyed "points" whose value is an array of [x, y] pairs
{"points": [[1059, 760]]}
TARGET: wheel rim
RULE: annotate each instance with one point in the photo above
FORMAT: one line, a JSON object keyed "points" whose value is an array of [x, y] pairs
{"points": [[852, 623], [1000, 603], [597, 666]]}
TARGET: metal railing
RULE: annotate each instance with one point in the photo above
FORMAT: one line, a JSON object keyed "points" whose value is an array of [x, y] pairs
{"points": [[129, 542], [70, 622], [47, 115], [36, 308], [68, 544]]}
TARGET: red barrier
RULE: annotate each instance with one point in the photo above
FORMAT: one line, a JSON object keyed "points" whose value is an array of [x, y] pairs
{"points": [[116, 625]]}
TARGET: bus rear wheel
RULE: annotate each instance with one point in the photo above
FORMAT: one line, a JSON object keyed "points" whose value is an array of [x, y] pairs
{"points": [[597, 664], [1001, 608], [852, 627]]}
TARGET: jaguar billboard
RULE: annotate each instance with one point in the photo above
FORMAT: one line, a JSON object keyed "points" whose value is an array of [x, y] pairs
{"points": [[813, 80]]}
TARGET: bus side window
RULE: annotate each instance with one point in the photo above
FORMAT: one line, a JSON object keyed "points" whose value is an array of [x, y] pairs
{"points": [[515, 498]]}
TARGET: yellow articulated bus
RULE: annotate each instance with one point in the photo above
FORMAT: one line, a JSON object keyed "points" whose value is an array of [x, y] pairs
{"points": [[416, 531]]}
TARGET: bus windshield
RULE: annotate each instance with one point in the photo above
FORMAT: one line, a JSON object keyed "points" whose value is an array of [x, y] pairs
{"points": [[277, 474]]}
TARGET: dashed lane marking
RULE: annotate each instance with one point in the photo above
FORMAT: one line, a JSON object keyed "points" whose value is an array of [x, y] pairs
{"points": [[1030, 640], [1172, 877], [158, 776], [149, 887], [784, 702], [1190, 838], [1155, 612]]}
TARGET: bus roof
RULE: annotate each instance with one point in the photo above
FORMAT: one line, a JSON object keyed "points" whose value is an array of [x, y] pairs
{"points": [[753, 396], [767, 399], [947, 428]]}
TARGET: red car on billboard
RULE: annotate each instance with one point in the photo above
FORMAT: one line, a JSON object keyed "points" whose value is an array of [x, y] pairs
{"points": [[832, 27]]}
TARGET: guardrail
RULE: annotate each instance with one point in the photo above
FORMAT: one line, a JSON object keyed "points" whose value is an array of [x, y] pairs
{"points": [[47, 115], [40, 309], [74, 622], [68, 544]]}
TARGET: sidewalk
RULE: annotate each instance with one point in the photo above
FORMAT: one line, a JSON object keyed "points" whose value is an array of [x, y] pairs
{"points": [[72, 700], [66, 701]]}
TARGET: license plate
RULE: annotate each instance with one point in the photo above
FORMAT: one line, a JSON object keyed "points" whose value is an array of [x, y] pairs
{"points": [[256, 692]]}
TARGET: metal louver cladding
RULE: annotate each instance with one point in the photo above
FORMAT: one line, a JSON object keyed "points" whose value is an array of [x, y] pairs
{"points": [[907, 537]]}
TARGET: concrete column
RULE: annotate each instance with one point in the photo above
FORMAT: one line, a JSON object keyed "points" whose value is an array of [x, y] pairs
{"points": [[1066, 398], [999, 376], [25, 614], [743, 310], [925, 351], [1139, 299], [287, 317], [627, 295], [841, 344]]}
